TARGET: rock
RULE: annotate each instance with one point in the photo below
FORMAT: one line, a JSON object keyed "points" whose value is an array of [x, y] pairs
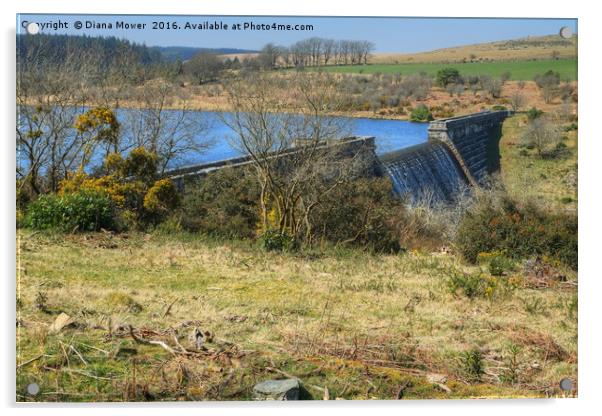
{"points": [[287, 389], [61, 321], [439, 381], [436, 378]]}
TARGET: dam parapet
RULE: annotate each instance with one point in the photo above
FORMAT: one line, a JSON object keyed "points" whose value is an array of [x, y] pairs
{"points": [[357, 147]]}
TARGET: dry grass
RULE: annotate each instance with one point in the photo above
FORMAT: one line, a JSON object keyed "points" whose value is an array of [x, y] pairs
{"points": [[358, 324], [552, 182], [535, 47]]}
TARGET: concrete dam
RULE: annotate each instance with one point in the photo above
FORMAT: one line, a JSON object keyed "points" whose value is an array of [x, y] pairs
{"points": [[459, 152]]}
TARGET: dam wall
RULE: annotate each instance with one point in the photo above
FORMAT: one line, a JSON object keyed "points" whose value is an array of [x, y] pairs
{"points": [[360, 148], [473, 140], [459, 152]]}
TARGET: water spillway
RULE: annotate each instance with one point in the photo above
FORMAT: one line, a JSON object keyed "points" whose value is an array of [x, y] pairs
{"points": [[425, 171], [460, 151]]}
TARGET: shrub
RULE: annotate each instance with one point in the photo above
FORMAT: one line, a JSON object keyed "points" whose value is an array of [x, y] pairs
{"points": [[548, 79], [421, 113], [518, 231], [141, 164], [80, 211], [471, 363], [497, 263], [125, 194], [467, 284], [542, 136], [273, 240], [223, 203], [161, 198], [534, 113], [492, 86], [447, 76], [362, 213]]}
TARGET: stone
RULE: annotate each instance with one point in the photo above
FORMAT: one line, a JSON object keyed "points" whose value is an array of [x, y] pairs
{"points": [[287, 389], [61, 321], [439, 381], [436, 378]]}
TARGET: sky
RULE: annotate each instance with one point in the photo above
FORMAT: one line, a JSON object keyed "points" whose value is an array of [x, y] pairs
{"points": [[389, 34]]}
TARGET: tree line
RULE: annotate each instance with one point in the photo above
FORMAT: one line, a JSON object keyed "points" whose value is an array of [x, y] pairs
{"points": [[98, 58], [316, 51]]}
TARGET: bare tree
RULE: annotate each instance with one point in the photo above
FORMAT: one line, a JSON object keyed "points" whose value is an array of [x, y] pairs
{"points": [[328, 46], [294, 167], [166, 123], [517, 100], [542, 135], [269, 56], [548, 93], [49, 98], [366, 48]]}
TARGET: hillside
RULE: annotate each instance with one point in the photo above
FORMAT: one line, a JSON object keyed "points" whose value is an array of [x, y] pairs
{"points": [[529, 48]]}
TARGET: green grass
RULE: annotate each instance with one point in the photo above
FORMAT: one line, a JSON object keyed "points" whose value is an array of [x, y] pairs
{"points": [[520, 70]]}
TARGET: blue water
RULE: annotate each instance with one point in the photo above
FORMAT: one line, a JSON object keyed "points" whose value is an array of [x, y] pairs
{"points": [[390, 135]]}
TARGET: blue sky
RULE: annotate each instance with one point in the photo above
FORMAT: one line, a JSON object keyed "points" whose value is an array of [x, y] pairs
{"points": [[388, 34]]}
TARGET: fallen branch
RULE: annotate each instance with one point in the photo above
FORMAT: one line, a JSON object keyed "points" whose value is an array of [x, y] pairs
{"points": [[150, 342]]}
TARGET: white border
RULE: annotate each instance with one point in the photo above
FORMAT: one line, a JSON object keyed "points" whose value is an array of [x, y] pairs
{"points": [[590, 289]]}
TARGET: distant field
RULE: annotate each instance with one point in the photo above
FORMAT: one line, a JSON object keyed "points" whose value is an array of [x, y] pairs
{"points": [[533, 47], [520, 70]]}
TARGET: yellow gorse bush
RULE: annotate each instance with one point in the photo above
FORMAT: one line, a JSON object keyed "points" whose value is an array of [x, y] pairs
{"points": [[95, 118], [123, 194], [161, 197]]}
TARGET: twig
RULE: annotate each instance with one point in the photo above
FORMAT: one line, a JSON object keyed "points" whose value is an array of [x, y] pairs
{"points": [[30, 361], [94, 348], [72, 348], [175, 338], [169, 307], [284, 373], [83, 373]]}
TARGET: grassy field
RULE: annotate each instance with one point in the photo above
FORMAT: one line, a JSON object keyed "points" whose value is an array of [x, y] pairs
{"points": [[359, 325], [519, 70]]}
